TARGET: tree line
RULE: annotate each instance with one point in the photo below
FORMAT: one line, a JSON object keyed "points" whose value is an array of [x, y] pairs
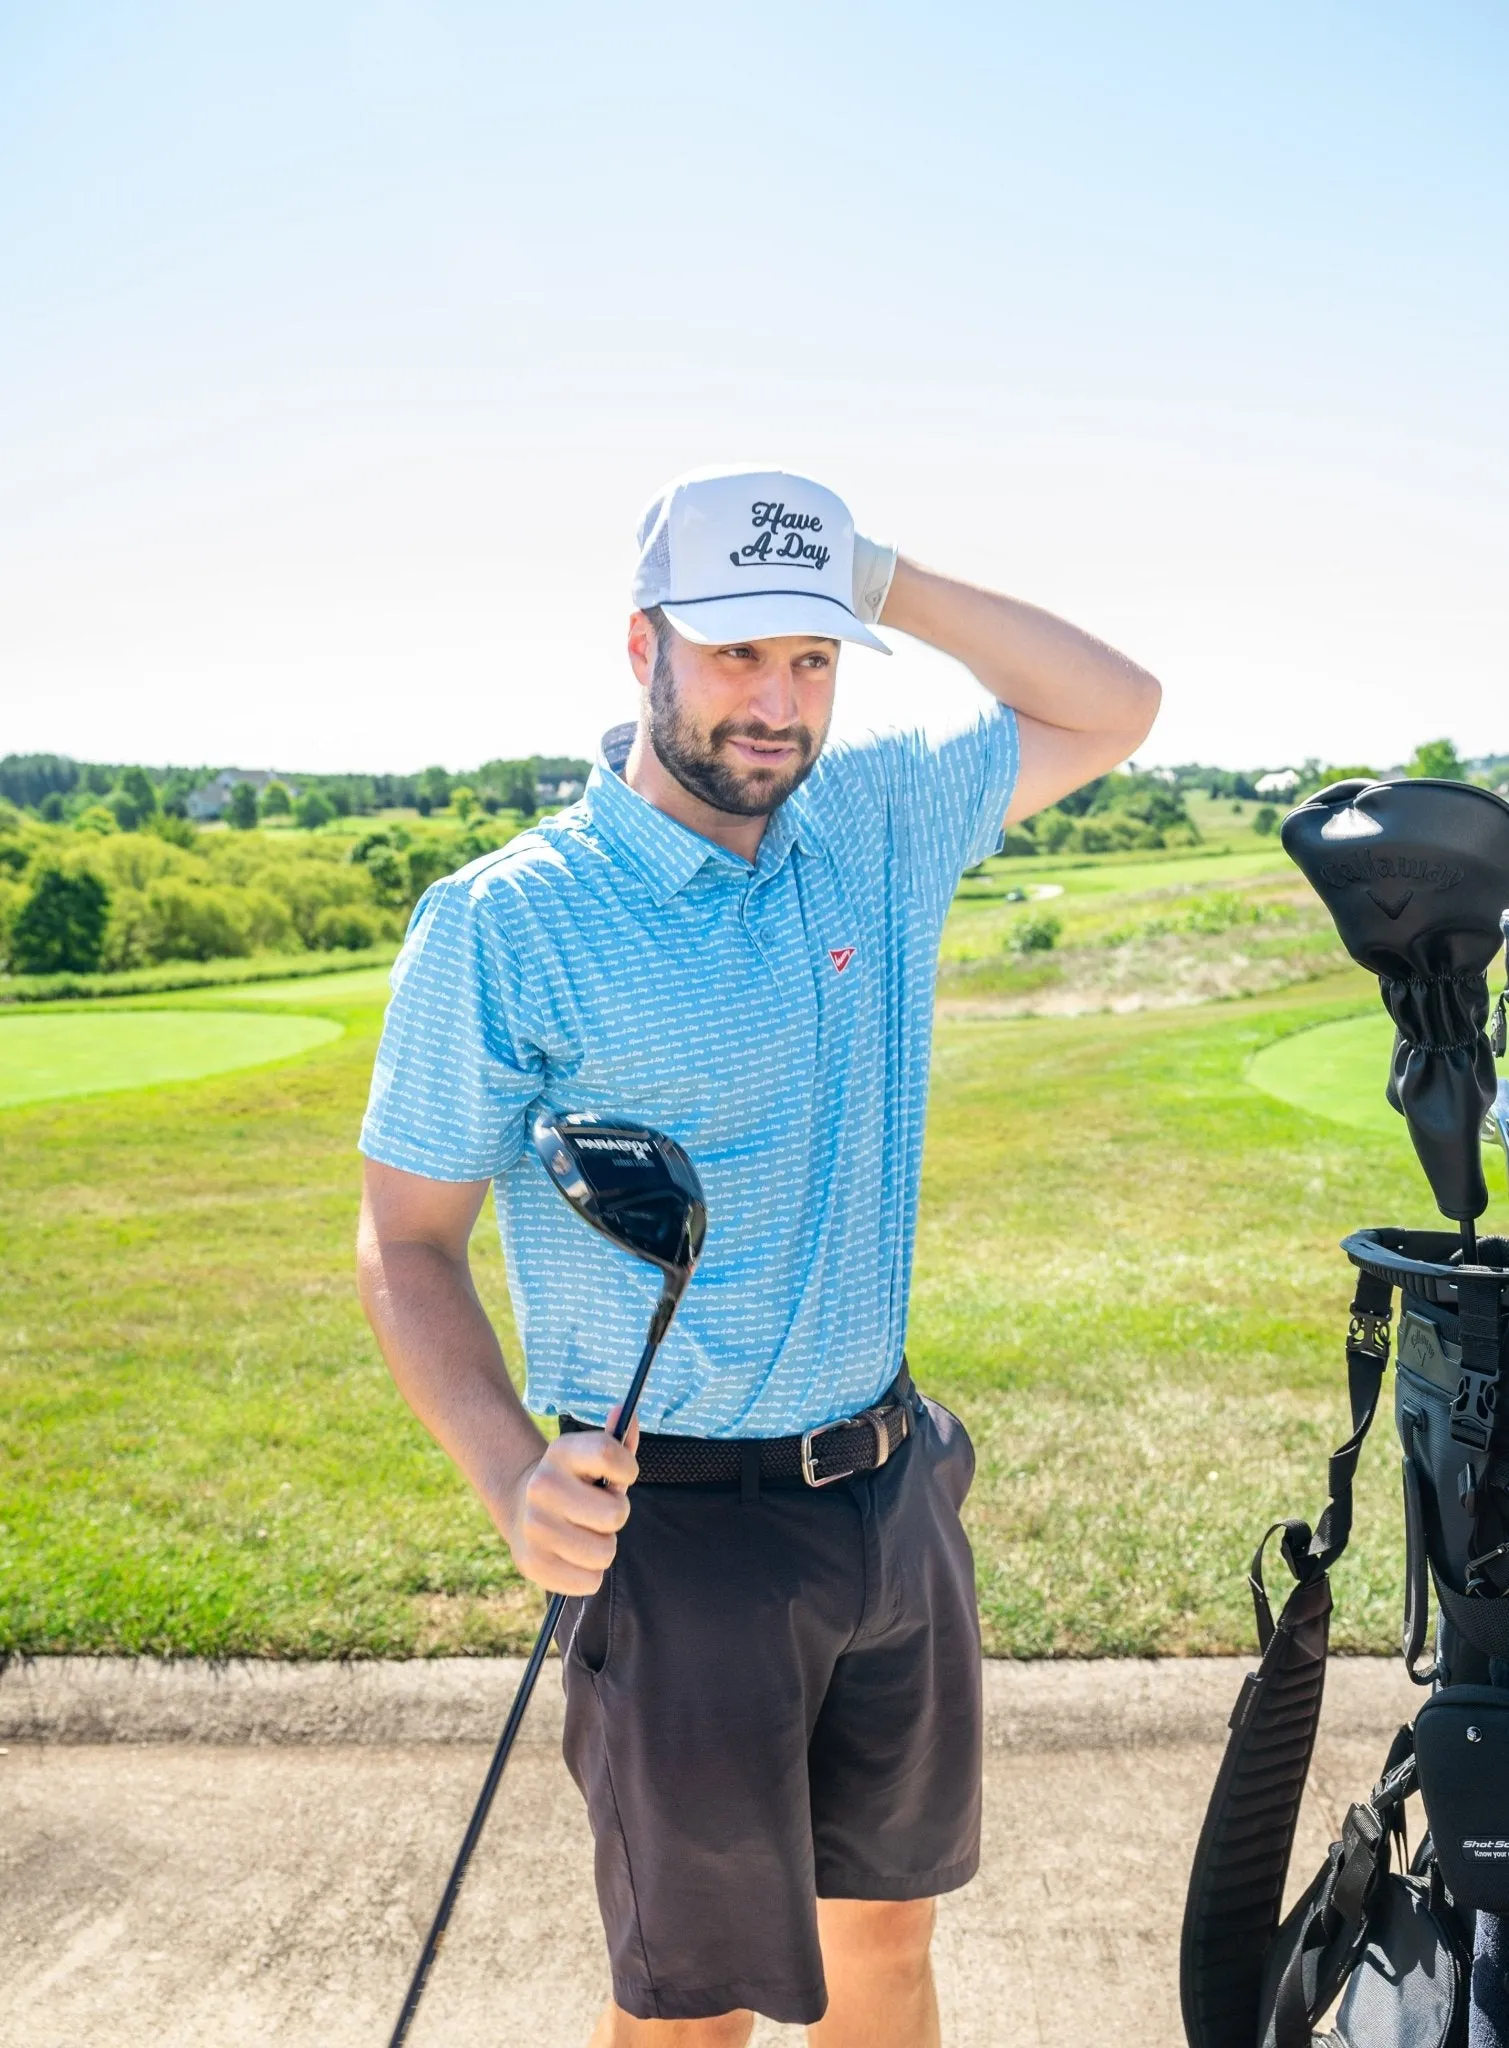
{"points": [[60, 790], [83, 899]]}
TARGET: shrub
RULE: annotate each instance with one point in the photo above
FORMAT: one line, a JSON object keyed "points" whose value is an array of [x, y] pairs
{"points": [[173, 828], [12, 896], [1053, 829], [241, 811], [275, 801], [188, 921], [344, 926], [1265, 820], [313, 809], [1219, 911], [60, 928], [1034, 934], [386, 870]]}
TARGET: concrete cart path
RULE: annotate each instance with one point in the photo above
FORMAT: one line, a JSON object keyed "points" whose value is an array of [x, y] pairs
{"points": [[239, 1884]]}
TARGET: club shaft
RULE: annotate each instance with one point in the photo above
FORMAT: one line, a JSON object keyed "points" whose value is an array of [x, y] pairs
{"points": [[516, 1712], [1469, 1242]]}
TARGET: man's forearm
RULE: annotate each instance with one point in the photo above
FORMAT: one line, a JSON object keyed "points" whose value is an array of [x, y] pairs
{"points": [[1037, 663], [447, 1363]]}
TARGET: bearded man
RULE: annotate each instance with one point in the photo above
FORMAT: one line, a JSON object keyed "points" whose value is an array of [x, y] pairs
{"points": [[771, 1649]]}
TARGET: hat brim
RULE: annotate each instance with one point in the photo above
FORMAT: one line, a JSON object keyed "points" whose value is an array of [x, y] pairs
{"points": [[768, 615]]}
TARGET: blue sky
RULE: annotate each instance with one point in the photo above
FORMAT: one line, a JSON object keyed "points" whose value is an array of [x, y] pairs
{"points": [[340, 345]]}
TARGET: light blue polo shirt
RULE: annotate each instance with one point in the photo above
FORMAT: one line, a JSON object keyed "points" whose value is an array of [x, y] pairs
{"points": [[775, 1018]]}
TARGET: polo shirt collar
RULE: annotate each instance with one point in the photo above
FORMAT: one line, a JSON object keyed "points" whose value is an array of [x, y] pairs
{"points": [[665, 853]]}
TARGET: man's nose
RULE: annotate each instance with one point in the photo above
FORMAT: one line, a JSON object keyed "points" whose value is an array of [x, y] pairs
{"points": [[774, 701]]}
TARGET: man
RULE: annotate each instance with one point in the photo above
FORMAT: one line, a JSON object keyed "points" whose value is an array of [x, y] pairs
{"points": [[771, 1650]]}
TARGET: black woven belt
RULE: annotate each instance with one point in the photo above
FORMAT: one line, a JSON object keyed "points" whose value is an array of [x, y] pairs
{"points": [[832, 1451]]}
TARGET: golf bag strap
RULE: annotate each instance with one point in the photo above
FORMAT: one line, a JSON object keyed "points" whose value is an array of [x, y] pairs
{"points": [[1367, 1361], [1334, 1921], [1236, 1887], [1307, 1554], [1237, 1884]]}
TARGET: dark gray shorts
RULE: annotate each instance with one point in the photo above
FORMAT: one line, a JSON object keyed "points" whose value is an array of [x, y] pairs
{"points": [[774, 1701]]}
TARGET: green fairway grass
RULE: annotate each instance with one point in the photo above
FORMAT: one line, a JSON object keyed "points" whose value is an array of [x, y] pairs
{"points": [[1339, 1071], [1127, 1283], [364, 984], [1119, 874], [77, 1052]]}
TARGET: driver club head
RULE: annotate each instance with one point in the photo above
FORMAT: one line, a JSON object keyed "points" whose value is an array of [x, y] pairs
{"points": [[632, 1184]]}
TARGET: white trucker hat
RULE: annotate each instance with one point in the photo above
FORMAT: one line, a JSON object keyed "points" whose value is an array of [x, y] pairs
{"points": [[746, 554]]}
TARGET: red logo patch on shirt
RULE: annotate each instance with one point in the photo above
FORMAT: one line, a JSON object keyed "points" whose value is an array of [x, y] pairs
{"points": [[840, 956]]}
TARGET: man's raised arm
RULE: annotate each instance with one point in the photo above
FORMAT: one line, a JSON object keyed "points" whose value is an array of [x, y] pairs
{"points": [[1081, 707], [558, 1506]]}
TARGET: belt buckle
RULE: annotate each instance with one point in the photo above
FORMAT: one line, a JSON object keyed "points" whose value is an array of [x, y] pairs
{"points": [[874, 1417]]}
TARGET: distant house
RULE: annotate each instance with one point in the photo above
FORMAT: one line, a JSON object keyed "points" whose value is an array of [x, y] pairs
{"points": [[211, 798], [1278, 782], [563, 792]]}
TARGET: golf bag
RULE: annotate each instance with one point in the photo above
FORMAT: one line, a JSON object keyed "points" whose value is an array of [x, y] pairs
{"points": [[1416, 875]]}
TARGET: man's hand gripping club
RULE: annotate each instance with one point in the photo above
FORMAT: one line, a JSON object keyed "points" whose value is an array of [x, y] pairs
{"points": [[563, 1520]]}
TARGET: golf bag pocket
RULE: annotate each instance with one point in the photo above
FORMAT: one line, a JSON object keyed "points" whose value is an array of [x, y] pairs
{"points": [[1409, 1986], [1462, 1751]]}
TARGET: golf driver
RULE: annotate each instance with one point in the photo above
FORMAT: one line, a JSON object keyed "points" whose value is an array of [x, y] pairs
{"points": [[639, 1189]]}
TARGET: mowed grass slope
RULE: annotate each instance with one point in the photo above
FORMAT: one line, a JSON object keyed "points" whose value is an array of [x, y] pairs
{"points": [[1127, 1283]]}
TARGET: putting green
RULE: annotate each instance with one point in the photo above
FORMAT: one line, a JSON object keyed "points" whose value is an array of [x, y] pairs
{"points": [[83, 1053], [1335, 1070]]}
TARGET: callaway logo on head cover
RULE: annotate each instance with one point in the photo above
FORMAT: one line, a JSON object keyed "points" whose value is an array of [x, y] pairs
{"points": [[1362, 868], [779, 538]]}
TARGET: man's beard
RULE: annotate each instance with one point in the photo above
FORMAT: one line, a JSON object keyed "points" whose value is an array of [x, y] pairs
{"points": [[697, 763]]}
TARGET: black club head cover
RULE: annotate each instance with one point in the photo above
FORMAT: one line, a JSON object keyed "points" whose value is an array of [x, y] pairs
{"points": [[1416, 875]]}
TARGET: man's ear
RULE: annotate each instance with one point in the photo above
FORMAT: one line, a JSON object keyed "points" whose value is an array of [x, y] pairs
{"points": [[641, 648]]}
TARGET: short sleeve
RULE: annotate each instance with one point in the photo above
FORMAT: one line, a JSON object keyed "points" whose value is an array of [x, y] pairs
{"points": [[455, 1071], [948, 790]]}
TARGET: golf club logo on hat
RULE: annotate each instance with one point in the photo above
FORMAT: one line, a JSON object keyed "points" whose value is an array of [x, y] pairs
{"points": [[739, 554]]}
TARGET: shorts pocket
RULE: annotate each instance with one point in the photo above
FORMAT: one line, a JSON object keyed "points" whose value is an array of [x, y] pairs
{"points": [[589, 1642], [954, 1451]]}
